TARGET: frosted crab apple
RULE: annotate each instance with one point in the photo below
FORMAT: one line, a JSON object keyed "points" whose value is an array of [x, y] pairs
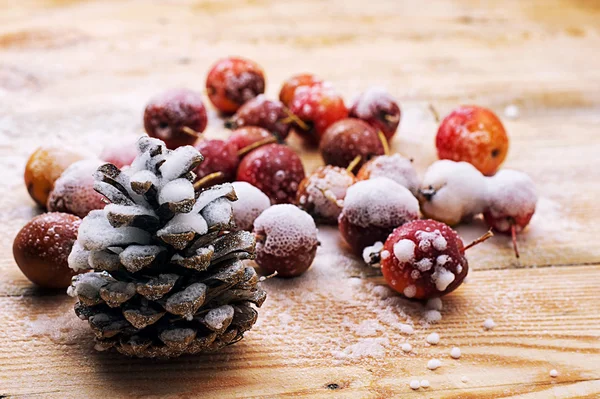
{"points": [[322, 193], [348, 139], [74, 191], [250, 204], [473, 134], [379, 109], [424, 259], [511, 203], [262, 112], [286, 240], [317, 108], [243, 137], [232, 81], [396, 167], [275, 169], [452, 191], [220, 161], [373, 209], [176, 116]]}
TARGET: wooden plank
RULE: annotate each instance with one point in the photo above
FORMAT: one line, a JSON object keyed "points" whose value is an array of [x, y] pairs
{"points": [[329, 331]]}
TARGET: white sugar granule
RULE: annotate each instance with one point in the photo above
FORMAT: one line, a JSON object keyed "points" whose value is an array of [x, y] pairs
{"points": [[442, 278], [414, 384], [407, 329], [489, 324], [410, 291], [553, 373], [512, 111], [406, 347], [433, 364], [432, 316], [433, 338], [425, 384], [435, 304], [455, 353], [404, 250]]}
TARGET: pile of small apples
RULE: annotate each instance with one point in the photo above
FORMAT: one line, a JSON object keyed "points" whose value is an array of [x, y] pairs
{"points": [[377, 208]]}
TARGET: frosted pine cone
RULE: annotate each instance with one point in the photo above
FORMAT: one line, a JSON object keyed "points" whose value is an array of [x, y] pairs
{"points": [[168, 275]]}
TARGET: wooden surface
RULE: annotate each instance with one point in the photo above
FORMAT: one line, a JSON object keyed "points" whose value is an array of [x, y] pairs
{"points": [[80, 72]]}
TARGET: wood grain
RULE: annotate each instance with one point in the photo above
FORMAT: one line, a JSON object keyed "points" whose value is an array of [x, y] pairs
{"points": [[80, 72]]}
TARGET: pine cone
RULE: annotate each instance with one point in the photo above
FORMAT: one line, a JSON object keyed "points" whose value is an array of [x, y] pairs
{"points": [[168, 275]]}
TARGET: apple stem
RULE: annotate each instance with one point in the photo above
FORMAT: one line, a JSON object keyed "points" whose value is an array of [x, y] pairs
{"points": [[390, 118], [207, 179], [263, 278], [354, 163], [293, 118], [190, 132], [329, 196], [436, 116], [255, 145], [384, 143], [513, 233], [479, 240]]}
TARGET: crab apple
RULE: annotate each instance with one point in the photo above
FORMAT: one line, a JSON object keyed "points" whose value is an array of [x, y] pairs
{"points": [[317, 107], [275, 169], [286, 94], [43, 168], [350, 138], [262, 112], [286, 240], [121, 153], [511, 203], [322, 193], [424, 259], [396, 167], [247, 138], [219, 156], [176, 116], [244, 138], [379, 109], [473, 134], [42, 247], [373, 209], [232, 81], [250, 204], [452, 192], [74, 190]]}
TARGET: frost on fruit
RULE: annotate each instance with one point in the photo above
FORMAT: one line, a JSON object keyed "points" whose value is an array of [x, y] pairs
{"points": [[395, 167], [512, 195], [74, 190], [452, 191], [287, 229], [250, 204], [168, 277], [322, 193], [379, 202]]}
